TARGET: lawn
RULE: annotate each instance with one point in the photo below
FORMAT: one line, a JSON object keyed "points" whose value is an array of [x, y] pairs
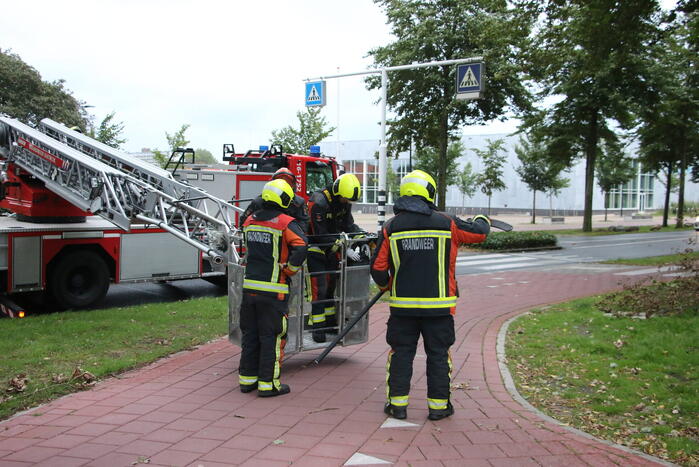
{"points": [[42, 353], [605, 231], [655, 260], [631, 381]]}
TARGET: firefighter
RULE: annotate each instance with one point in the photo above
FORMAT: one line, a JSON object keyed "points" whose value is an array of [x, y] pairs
{"points": [[298, 209], [415, 261], [276, 249], [330, 212]]}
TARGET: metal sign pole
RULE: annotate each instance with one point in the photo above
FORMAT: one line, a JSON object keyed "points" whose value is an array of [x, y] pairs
{"points": [[381, 195]]}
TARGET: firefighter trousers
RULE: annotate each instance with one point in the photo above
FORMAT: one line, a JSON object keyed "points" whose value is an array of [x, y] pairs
{"points": [[322, 287], [263, 321], [402, 334]]}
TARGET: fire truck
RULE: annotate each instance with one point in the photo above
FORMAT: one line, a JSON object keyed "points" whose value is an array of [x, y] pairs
{"points": [[83, 215], [49, 245]]}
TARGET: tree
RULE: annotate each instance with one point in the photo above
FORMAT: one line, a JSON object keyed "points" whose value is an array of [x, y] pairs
{"points": [[537, 171], [108, 132], [467, 182], [313, 128], [613, 169], [669, 117], [427, 159], [423, 99], [490, 178], [174, 141], [26, 97], [591, 56], [204, 156]]}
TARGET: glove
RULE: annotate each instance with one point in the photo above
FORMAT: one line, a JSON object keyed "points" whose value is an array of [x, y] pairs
{"points": [[353, 254], [387, 286], [336, 246], [290, 269], [482, 217]]}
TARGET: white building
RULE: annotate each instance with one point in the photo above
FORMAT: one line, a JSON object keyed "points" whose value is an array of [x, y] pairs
{"points": [[643, 192]]}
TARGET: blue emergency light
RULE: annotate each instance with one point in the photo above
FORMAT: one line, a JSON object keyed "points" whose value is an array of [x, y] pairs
{"points": [[264, 148], [315, 150]]}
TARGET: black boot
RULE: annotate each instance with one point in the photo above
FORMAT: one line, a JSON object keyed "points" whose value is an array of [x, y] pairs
{"points": [[246, 388], [319, 336], [438, 414], [396, 412], [283, 389]]}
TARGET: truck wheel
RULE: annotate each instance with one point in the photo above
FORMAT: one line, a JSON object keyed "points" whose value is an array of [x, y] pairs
{"points": [[79, 279]]}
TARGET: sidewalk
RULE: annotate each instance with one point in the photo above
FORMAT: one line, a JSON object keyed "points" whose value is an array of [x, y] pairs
{"points": [[187, 409]]}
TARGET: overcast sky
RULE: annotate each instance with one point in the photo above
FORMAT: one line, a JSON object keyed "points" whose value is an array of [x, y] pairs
{"points": [[233, 69]]}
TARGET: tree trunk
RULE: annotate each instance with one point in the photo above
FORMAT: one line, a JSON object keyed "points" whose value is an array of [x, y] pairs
{"points": [[591, 157], [442, 161], [668, 190], [488, 205], [534, 208], [680, 194], [606, 205]]}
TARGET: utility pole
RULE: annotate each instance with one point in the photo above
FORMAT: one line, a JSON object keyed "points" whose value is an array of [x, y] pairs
{"points": [[384, 90]]}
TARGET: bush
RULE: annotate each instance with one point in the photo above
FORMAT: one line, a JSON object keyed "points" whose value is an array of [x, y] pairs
{"points": [[516, 240], [691, 208]]}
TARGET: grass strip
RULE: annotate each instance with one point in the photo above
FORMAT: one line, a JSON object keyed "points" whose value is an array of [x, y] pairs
{"points": [[655, 260], [605, 231], [631, 381], [47, 349]]}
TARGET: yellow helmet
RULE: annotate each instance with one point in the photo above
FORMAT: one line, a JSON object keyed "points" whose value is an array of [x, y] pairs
{"points": [[347, 186], [278, 192], [418, 183]]}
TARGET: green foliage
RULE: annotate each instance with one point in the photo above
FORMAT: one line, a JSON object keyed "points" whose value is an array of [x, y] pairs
{"points": [[592, 56], [427, 159], [467, 181], [26, 97], [103, 342], [489, 180], [613, 169], [423, 99], [108, 132], [625, 380], [312, 129], [174, 141], [516, 240], [691, 208], [204, 156], [538, 171]]}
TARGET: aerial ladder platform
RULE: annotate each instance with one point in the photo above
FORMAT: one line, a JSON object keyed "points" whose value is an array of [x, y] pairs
{"points": [[119, 187]]}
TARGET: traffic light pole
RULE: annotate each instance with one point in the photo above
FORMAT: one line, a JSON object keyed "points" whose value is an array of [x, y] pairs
{"points": [[383, 147]]}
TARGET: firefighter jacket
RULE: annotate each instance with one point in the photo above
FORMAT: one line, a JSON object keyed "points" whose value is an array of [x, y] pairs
{"points": [[329, 216], [276, 249], [416, 255], [298, 209]]}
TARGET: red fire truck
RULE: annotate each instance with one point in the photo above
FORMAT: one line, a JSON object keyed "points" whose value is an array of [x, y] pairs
{"points": [[50, 242]]}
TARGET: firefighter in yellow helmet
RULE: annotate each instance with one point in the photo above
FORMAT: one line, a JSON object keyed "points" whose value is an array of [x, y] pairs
{"points": [[423, 290], [330, 212], [275, 250]]}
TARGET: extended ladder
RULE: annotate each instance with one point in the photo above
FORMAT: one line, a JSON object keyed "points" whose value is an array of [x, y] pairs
{"points": [[119, 193]]}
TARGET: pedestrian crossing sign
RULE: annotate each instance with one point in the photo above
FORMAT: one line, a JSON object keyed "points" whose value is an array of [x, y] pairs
{"points": [[469, 80], [315, 94]]}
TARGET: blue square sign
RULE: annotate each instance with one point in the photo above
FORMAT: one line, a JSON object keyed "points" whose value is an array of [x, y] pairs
{"points": [[469, 80], [315, 94]]}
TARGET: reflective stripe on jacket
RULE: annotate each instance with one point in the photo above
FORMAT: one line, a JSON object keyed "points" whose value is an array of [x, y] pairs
{"points": [[272, 240]]}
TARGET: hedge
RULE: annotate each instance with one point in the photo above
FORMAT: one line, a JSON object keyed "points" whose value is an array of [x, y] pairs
{"points": [[515, 240]]}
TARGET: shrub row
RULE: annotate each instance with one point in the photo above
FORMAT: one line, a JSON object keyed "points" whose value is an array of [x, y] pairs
{"points": [[515, 240]]}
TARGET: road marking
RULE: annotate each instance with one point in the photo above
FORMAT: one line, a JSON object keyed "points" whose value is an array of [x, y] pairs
{"points": [[513, 266], [393, 423], [638, 272], [362, 459], [491, 261]]}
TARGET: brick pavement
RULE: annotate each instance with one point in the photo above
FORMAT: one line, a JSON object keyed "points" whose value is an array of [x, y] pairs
{"points": [[186, 410]]}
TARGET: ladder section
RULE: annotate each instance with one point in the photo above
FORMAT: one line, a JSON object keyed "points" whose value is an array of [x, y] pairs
{"points": [[161, 179], [110, 193]]}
